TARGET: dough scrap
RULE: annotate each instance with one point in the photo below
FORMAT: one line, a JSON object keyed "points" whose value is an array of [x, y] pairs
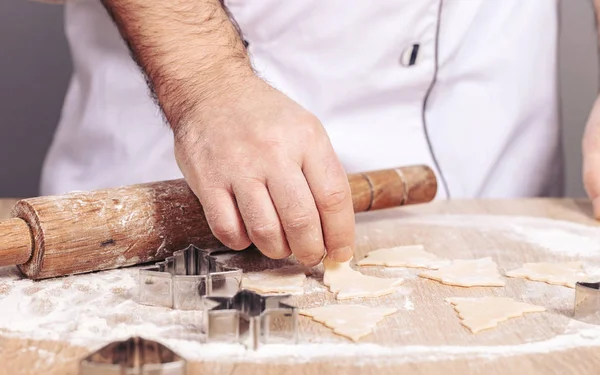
{"points": [[467, 273], [413, 256], [351, 321], [478, 314], [566, 274], [348, 283], [288, 279]]}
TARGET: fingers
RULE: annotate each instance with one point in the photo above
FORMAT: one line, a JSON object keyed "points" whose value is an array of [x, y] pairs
{"points": [[223, 217], [261, 219], [331, 191], [298, 214], [591, 158]]}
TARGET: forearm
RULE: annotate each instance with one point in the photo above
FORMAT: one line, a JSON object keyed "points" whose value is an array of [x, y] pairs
{"points": [[188, 50]]}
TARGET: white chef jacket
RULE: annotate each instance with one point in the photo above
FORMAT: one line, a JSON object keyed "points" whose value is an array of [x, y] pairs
{"points": [[468, 87]]}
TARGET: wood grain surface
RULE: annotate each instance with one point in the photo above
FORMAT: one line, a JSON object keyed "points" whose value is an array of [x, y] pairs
{"points": [[15, 242], [429, 325]]}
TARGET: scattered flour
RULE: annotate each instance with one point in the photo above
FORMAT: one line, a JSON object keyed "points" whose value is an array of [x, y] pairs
{"points": [[312, 286], [408, 304], [557, 236], [94, 309], [582, 336], [592, 271], [91, 311]]}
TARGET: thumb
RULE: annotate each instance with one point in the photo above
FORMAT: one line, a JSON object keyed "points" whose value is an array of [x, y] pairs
{"points": [[591, 158]]}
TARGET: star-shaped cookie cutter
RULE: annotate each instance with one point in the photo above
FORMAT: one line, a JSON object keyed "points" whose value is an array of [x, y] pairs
{"points": [[250, 319], [181, 280], [135, 356]]}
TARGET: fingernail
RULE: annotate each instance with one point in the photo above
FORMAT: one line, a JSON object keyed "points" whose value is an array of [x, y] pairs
{"points": [[343, 254]]}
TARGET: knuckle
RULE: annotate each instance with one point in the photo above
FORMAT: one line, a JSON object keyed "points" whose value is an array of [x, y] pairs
{"points": [[335, 200], [306, 124], [313, 126], [268, 231], [311, 119], [226, 232], [301, 222]]}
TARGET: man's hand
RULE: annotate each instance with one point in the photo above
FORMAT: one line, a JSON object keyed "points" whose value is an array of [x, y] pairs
{"points": [[261, 165], [265, 171]]}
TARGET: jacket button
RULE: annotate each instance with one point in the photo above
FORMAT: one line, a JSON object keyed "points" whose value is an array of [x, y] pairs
{"points": [[410, 56]]}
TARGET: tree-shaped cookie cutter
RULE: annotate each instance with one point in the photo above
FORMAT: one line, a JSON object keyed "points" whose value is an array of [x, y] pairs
{"points": [[181, 280], [135, 356], [250, 319]]}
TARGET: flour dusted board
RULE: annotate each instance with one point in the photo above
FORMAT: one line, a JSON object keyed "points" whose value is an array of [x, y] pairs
{"points": [[425, 335]]}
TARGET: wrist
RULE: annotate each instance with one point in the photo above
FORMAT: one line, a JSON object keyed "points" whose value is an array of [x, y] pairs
{"points": [[189, 91], [212, 103]]}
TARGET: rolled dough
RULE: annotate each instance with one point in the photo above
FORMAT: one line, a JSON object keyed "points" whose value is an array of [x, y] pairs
{"points": [[348, 283], [413, 256], [351, 321], [478, 314], [467, 273], [566, 274], [288, 279]]}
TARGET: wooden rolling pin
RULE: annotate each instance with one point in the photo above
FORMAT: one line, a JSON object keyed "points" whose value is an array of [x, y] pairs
{"points": [[104, 229]]}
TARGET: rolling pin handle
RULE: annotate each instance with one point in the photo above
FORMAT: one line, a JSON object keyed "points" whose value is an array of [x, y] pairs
{"points": [[395, 187], [16, 242]]}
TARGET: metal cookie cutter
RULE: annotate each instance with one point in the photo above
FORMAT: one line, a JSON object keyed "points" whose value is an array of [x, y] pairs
{"points": [[181, 280], [250, 319], [587, 302], [135, 356]]}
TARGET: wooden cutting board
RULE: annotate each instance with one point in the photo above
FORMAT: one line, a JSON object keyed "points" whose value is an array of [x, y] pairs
{"points": [[425, 336]]}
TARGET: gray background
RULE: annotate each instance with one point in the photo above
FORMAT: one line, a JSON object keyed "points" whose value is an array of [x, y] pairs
{"points": [[35, 67]]}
